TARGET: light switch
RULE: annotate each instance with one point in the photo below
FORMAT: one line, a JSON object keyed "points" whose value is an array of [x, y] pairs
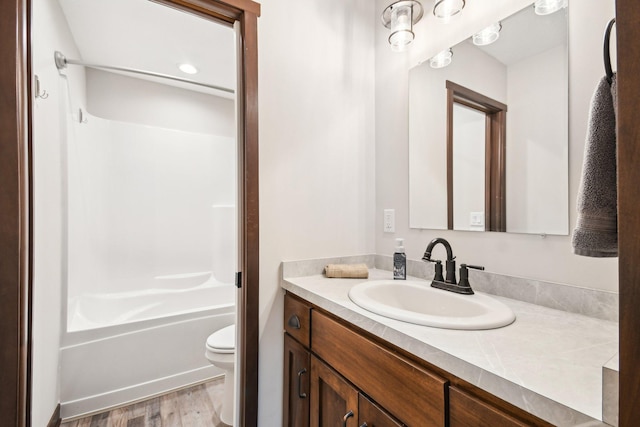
{"points": [[389, 222], [477, 219]]}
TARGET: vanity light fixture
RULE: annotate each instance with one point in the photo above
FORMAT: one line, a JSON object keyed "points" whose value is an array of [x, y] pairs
{"points": [[444, 10], [487, 35], [400, 17], [442, 59], [188, 68], [547, 7]]}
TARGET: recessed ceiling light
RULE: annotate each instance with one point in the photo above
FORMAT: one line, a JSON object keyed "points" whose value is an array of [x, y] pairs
{"points": [[188, 68], [444, 10], [487, 35], [546, 7], [442, 59]]}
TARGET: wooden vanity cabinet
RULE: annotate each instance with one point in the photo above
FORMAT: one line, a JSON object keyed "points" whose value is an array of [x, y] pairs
{"points": [[297, 363], [336, 375], [334, 402], [297, 319], [297, 370], [371, 415], [466, 410], [409, 392]]}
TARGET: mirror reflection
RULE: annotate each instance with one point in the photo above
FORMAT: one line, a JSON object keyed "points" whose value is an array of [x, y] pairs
{"points": [[488, 133]]}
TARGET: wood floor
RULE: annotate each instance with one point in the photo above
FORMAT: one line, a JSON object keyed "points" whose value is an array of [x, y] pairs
{"points": [[197, 406]]}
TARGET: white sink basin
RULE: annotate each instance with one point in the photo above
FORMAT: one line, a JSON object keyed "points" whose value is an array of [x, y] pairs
{"points": [[417, 302]]}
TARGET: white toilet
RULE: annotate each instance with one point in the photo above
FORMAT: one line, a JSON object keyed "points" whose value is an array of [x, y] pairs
{"points": [[221, 349]]}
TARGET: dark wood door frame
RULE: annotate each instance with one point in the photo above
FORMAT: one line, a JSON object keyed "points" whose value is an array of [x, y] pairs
{"points": [[15, 257], [628, 131], [495, 205], [16, 192]]}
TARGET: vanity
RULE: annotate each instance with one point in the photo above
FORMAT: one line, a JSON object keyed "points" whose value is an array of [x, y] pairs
{"points": [[346, 366]]}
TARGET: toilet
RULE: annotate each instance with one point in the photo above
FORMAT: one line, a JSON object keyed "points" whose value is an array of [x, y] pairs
{"points": [[220, 350]]}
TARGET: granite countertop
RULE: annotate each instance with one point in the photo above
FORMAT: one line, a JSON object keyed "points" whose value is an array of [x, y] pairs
{"points": [[548, 362]]}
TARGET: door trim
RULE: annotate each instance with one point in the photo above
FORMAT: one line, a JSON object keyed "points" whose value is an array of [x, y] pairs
{"points": [[16, 193], [628, 139]]}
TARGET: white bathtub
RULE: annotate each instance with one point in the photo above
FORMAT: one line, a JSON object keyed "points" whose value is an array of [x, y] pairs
{"points": [[129, 346], [167, 296]]}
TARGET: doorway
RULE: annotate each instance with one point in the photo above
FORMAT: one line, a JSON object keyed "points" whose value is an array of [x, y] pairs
{"points": [[17, 214], [479, 123]]}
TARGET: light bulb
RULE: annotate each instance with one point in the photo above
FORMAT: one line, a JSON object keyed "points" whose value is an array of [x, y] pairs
{"points": [[401, 34], [442, 59], [547, 7], [487, 35], [446, 9]]}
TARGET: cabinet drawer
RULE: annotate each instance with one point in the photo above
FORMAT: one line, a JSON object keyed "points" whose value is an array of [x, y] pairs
{"points": [[468, 411], [297, 319], [407, 391]]}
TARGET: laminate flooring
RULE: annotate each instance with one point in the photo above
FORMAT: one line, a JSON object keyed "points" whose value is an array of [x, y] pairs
{"points": [[196, 406]]}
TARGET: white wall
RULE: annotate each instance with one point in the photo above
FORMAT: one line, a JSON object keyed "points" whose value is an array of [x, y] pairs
{"points": [[317, 180], [521, 255], [50, 33], [537, 135]]}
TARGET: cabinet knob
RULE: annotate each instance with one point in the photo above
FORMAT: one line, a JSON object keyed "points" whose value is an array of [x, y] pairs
{"points": [[294, 322], [346, 417], [301, 395], [364, 425]]}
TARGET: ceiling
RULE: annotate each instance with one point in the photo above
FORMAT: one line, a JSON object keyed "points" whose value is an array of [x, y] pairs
{"points": [[148, 36]]}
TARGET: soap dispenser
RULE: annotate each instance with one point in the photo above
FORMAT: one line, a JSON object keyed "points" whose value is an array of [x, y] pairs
{"points": [[399, 261]]}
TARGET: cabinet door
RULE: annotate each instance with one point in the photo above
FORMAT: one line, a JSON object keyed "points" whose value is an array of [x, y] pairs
{"points": [[297, 369], [334, 402], [371, 415], [404, 389]]}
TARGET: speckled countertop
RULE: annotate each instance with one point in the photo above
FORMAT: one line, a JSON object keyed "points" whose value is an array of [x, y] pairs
{"points": [[548, 362]]}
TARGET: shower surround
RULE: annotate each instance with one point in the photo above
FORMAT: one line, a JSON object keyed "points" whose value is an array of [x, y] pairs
{"points": [[151, 247]]}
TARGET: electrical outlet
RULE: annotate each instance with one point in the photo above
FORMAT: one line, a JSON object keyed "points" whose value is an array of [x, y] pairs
{"points": [[476, 219], [389, 222]]}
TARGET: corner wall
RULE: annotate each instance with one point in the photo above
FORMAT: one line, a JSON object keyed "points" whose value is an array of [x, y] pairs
{"points": [[317, 180], [520, 255], [50, 33]]}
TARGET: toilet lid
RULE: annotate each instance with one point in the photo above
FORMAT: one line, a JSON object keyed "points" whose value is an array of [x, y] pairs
{"points": [[223, 339]]}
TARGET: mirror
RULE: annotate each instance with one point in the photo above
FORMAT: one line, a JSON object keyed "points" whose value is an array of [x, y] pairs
{"points": [[469, 171]]}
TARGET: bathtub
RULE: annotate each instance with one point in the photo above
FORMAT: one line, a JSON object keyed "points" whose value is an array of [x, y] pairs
{"points": [[128, 346]]}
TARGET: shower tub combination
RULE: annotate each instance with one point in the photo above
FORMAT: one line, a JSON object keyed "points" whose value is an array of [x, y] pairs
{"points": [[140, 344], [151, 261]]}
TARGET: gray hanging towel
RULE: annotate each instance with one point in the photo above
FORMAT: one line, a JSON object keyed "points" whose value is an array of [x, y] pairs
{"points": [[596, 232]]}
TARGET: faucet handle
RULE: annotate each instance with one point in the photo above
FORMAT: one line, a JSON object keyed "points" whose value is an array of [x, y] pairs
{"points": [[438, 276], [464, 276]]}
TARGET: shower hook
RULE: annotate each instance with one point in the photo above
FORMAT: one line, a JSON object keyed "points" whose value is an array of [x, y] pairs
{"points": [[81, 117], [39, 94]]}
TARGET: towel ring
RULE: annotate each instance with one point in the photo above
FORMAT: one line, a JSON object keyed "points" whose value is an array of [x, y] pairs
{"points": [[607, 55]]}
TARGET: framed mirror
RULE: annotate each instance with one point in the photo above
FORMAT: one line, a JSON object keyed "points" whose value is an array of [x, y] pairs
{"points": [[488, 133]]}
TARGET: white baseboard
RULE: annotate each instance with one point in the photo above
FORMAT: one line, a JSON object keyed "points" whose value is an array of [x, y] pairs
{"points": [[102, 402]]}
